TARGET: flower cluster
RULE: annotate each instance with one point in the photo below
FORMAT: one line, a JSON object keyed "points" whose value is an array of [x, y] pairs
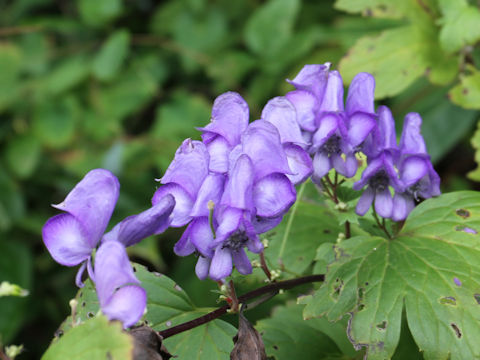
{"points": [[236, 183], [335, 133], [73, 236]]}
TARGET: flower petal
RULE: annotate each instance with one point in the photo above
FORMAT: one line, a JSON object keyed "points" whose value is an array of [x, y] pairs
{"points": [[312, 78], [211, 190], [184, 246], [282, 114], [219, 150], [328, 126], [384, 203], [361, 94], [183, 203], [229, 117], [372, 168], [360, 125], [262, 138], [403, 204], [299, 162], [201, 236], [238, 189], [321, 165], [333, 97], [229, 220], [306, 105], [241, 262], [66, 240], [189, 167], [365, 201], [92, 202], [411, 141], [221, 265], [78, 277], [202, 267], [262, 225], [135, 228], [412, 170], [113, 272], [127, 305], [273, 195]]}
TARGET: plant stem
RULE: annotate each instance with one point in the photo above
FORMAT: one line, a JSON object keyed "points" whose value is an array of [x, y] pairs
{"points": [[272, 287], [348, 233], [233, 295], [263, 263], [381, 224]]}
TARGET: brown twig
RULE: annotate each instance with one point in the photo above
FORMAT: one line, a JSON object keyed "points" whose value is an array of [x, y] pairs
{"points": [[272, 287], [264, 266]]}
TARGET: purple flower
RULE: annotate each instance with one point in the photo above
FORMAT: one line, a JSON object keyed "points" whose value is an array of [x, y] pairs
{"points": [[282, 114], [119, 292], [418, 178], [380, 173], [72, 236], [334, 133]]}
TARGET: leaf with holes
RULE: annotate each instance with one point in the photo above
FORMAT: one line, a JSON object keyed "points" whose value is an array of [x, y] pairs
{"points": [[96, 339], [292, 244], [286, 335], [168, 305], [432, 267]]}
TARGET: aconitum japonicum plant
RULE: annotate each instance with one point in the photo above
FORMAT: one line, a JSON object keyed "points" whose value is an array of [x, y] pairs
{"points": [[230, 193]]}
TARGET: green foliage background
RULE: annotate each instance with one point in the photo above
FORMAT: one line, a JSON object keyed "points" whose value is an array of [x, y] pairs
{"points": [[120, 83]]}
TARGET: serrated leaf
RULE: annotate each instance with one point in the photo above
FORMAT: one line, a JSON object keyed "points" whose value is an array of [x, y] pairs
{"points": [[475, 141], [109, 60], [293, 243], [16, 266], [458, 17], [96, 339], [398, 57], [168, 305], [287, 335], [271, 26], [66, 75], [22, 155], [54, 123], [432, 266], [99, 13], [467, 93]]}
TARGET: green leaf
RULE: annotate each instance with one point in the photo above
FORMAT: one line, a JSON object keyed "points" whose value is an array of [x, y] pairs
{"points": [[475, 174], [398, 57], [432, 267], [293, 243], [10, 63], [111, 56], [467, 93], [12, 205], [66, 75], [458, 18], [54, 123], [376, 8], [117, 100], [96, 339], [287, 335], [271, 26], [22, 155], [176, 120], [99, 13], [16, 266], [168, 305]]}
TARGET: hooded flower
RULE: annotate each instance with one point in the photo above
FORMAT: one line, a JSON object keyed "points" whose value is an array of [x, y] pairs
{"points": [[334, 133], [417, 176], [72, 236], [380, 173], [119, 292]]}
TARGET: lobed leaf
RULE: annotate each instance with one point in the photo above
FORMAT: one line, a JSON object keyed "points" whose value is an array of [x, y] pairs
{"points": [[432, 268], [467, 93]]}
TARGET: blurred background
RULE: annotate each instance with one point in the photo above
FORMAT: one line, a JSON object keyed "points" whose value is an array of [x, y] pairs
{"points": [[119, 84]]}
